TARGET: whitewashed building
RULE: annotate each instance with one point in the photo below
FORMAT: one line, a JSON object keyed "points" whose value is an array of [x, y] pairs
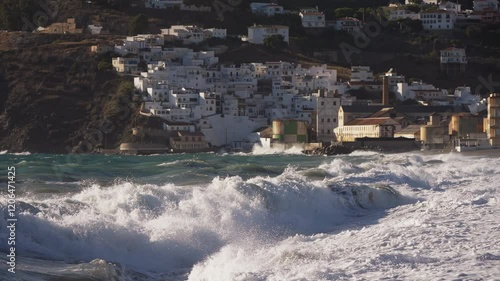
{"points": [[402, 14], [312, 19], [361, 74], [267, 9], [258, 33], [453, 55], [450, 6], [419, 91], [191, 34], [485, 5], [393, 79], [453, 60], [94, 29], [438, 20], [350, 25], [133, 44]]}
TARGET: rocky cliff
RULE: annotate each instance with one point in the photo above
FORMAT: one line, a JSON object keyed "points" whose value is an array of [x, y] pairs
{"points": [[53, 97]]}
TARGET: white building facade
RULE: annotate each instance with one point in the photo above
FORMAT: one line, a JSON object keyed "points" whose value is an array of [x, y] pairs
{"points": [[361, 74], [350, 25], [258, 33], [267, 9], [313, 19], [438, 20]]}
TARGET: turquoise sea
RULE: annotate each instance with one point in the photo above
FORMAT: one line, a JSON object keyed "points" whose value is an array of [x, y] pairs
{"points": [[260, 216]]}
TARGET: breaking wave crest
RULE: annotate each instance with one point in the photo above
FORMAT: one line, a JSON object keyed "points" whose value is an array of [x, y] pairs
{"points": [[230, 228], [158, 227]]}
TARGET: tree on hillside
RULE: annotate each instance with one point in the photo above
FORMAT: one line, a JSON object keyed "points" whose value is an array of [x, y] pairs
{"points": [[115, 4], [18, 14], [275, 42], [412, 26], [413, 8], [139, 24], [473, 31], [344, 13]]}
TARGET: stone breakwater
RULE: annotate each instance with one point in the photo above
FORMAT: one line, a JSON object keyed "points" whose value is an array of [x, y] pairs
{"points": [[330, 150]]}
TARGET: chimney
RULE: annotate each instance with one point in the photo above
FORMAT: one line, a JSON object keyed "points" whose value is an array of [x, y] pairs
{"points": [[385, 91], [435, 119]]}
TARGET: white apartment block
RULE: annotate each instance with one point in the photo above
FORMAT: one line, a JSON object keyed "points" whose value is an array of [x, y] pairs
{"points": [[438, 20], [419, 91], [133, 44], [267, 9], [361, 74], [191, 34], [163, 4], [402, 14], [258, 33]]}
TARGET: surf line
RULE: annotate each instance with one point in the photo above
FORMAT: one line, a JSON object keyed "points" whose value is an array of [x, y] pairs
{"points": [[11, 219]]}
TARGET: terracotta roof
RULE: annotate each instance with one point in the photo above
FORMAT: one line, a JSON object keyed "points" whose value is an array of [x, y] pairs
{"points": [[266, 133], [361, 108], [412, 129]]}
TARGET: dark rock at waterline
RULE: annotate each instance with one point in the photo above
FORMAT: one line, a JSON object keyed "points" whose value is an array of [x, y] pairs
{"points": [[330, 150], [488, 257]]}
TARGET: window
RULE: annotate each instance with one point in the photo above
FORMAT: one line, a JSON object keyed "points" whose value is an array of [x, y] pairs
{"points": [[322, 120], [322, 103]]}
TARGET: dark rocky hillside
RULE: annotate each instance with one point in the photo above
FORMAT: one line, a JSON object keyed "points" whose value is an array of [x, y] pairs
{"points": [[53, 97]]}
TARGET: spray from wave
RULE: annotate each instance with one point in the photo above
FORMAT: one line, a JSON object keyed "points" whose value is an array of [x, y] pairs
{"points": [[260, 150], [239, 228], [162, 228]]}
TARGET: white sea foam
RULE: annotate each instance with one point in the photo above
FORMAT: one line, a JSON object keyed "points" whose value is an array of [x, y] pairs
{"points": [[260, 150], [402, 216], [444, 236], [4, 152]]}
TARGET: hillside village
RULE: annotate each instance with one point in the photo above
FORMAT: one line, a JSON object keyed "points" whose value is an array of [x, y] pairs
{"points": [[205, 94]]}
